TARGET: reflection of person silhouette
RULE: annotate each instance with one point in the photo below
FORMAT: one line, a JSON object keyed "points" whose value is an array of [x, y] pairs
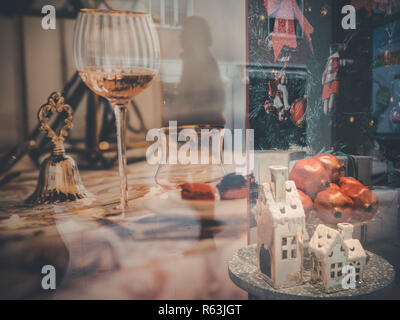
{"points": [[200, 94], [200, 98], [23, 255]]}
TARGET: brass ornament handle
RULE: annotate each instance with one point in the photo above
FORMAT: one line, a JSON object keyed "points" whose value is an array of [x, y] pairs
{"points": [[55, 103]]}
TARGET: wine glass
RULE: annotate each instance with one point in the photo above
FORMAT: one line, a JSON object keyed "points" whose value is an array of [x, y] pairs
{"points": [[205, 164], [117, 55]]}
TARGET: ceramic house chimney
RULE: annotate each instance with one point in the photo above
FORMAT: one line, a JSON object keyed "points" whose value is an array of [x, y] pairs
{"points": [[346, 230], [279, 176]]}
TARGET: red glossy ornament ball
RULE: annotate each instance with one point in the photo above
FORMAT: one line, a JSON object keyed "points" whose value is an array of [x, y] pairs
{"points": [[298, 111]]}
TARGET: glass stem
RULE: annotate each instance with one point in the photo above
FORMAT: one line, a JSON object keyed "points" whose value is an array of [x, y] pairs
{"points": [[120, 118]]}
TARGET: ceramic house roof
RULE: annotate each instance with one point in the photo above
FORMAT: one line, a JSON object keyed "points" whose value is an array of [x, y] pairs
{"points": [[356, 251], [291, 211], [324, 239]]}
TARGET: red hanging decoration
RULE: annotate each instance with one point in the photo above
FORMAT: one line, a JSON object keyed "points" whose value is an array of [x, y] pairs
{"points": [[395, 115], [285, 13], [298, 111], [370, 5]]}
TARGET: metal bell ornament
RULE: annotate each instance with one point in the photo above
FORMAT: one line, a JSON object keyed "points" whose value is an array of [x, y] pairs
{"points": [[59, 178]]}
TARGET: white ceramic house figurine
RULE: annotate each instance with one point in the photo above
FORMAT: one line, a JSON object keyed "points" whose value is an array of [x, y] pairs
{"points": [[328, 257], [280, 231], [357, 257], [331, 250]]}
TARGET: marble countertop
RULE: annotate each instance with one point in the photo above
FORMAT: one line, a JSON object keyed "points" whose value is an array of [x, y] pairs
{"points": [[159, 248]]}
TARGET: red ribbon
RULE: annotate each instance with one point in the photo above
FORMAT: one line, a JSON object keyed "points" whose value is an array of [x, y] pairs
{"points": [[286, 12]]}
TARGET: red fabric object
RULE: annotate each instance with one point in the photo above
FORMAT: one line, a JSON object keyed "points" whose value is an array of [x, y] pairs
{"points": [[197, 191], [310, 176], [285, 13], [329, 89], [333, 206], [298, 111], [231, 194]]}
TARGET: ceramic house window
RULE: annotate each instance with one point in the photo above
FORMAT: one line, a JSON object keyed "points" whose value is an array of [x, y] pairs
{"points": [[336, 270], [357, 266], [289, 247], [170, 13]]}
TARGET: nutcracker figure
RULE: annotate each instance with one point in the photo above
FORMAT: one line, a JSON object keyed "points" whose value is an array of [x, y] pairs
{"points": [[278, 95], [330, 77]]}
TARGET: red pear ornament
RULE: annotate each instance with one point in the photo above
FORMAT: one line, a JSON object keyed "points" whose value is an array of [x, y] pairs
{"points": [[332, 165], [306, 202], [333, 206], [310, 176], [365, 202]]}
